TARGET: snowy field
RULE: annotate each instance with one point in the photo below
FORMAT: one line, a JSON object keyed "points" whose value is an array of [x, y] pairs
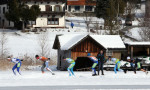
{"points": [[36, 78], [20, 44]]}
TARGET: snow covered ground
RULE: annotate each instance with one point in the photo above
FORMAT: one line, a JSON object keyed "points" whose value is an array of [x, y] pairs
{"points": [[36, 78], [20, 44]]}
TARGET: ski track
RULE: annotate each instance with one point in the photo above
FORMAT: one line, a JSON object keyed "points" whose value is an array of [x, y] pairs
{"points": [[36, 78]]}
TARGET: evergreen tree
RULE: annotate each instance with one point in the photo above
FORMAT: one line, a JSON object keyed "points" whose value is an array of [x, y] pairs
{"points": [[19, 12], [13, 14], [110, 10]]}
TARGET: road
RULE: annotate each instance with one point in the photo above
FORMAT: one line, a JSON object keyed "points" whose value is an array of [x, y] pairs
{"points": [[77, 87]]}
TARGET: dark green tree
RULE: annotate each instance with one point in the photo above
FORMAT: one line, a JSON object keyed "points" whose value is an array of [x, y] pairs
{"points": [[110, 10], [13, 14], [19, 12], [34, 12]]}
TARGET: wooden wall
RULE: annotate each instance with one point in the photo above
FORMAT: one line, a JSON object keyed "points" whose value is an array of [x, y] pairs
{"points": [[74, 55], [82, 2], [79, 2], [86, 46], [117, 55]]}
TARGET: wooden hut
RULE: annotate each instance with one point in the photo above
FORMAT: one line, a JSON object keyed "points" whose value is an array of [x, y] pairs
{"points": [[138, 48], [76, 45]]}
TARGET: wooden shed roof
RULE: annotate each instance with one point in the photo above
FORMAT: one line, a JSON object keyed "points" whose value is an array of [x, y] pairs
{"points": [[66, 42]]}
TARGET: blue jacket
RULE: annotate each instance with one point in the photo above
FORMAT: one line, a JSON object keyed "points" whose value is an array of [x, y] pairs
{"points": [[93, 59], [72, 24]]}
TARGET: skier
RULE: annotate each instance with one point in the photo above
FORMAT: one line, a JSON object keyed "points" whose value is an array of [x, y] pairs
{"points": [[95, 62], [72, 25], [45, 63], [131, 61], [71, 66], [138, 66], [101, 58], [117, 65], [17, 64]]}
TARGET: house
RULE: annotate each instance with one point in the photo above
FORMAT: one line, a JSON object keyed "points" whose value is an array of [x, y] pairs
{"points": [[136, 49], [52, 14], [80, 6], [3, 9], [77, 45]]}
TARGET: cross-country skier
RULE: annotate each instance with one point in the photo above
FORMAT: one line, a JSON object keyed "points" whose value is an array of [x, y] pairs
{"points": [[95, 62], [45, 63], [131, 61], [138, 66], [71, 66], [17, 64], [117, 65]]}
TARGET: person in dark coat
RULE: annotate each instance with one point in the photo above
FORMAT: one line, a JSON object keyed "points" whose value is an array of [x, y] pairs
{"points": [[101, 58]]}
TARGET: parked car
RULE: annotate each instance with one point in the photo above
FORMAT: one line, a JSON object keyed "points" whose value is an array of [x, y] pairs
{"points": [[128, 22], [109, 65]]}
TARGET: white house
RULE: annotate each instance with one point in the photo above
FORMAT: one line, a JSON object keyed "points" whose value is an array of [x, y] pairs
{"points": [[52, 14]]}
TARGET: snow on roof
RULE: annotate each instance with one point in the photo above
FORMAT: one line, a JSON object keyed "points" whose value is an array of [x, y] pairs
{"points": [[138, 43], [67, 41], [107, 41]]}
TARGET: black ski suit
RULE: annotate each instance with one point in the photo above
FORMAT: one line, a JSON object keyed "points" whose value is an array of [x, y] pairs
{"points": [[101, 59]]}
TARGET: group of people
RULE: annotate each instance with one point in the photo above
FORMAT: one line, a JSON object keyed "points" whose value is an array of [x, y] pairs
{"points": [[135, 65], [99, 60], [18, 63]]}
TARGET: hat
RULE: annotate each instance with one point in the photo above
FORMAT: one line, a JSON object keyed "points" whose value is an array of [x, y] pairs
{"points": [[36, 56], [128, 57]]}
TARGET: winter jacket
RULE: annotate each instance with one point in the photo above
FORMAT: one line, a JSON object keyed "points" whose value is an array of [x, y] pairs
{"points": [[100, 57]]}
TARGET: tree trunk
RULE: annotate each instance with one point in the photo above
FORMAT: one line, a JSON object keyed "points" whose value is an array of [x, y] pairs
{"points": [[23, 25]]}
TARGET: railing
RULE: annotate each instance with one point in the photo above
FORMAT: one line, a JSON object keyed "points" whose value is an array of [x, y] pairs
{"points": [[46, 0], [53, 12]]}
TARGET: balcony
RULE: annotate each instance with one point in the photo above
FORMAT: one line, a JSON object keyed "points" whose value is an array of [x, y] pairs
{"points": [[62, 13], [90, 2], [45, 0]]}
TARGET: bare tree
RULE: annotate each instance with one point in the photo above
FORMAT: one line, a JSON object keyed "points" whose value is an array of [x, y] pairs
{"points": [[145, 32], [3, 45], [44, 44], [131, 6], [88, 20]]}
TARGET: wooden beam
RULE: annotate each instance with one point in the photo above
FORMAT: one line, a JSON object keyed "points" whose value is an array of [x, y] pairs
{"points": [[148, 51], [128, 50], [131, 51]]}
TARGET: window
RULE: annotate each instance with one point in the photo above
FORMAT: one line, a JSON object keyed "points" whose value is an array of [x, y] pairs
{"points": [[33, 22], [57, 8], [77, 8], [69, 8], [64, 8], [53, 21], [9, 23], [109, 52], [3, 10], [48, 8], [88, 8]]}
